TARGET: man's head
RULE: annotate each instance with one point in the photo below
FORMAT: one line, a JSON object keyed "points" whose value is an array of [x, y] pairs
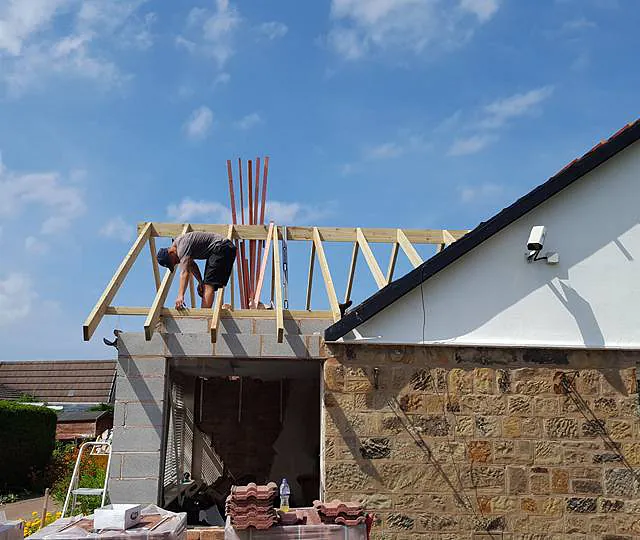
{"points": [[167, 258]]}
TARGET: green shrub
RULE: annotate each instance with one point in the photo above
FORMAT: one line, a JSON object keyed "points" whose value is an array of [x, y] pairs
{"points": [[27, 435]]}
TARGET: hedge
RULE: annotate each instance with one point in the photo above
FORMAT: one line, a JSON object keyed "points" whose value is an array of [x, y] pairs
{"points": [[27, 439]]}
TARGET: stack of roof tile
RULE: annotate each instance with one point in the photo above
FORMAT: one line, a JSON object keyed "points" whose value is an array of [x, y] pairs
{"points": [[340, 513], [252, 506]]}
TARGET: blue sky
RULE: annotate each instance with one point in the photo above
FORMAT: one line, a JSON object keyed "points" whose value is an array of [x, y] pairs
{"points": [[379, 113]]}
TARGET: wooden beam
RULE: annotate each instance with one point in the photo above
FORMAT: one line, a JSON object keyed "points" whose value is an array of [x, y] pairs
{"points": [[352, 272], [312, 263], [263, 268], [154, 262], [329, 234], [158, 302], [202, 313], [278, 282], [98, 311], [409, 250], [217, 307], [192, 292], [392, 261], [326, 275], [447, 237], [371, 260]]}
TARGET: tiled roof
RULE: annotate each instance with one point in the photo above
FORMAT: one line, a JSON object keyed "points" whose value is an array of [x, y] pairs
{"points": [[571, 172], [52, 381]]}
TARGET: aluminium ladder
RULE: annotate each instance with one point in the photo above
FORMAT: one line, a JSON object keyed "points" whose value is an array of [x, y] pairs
{"points": [[74, 491]]}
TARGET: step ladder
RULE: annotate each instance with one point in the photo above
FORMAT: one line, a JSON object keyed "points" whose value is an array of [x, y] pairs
{"points": [[94, 448]]}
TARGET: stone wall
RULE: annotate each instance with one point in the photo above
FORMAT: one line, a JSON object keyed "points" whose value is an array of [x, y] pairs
{"points": [[485, 443]]}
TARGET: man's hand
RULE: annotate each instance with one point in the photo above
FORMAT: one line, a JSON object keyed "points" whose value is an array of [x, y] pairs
{"points": [[180, 302], [200, 289]]}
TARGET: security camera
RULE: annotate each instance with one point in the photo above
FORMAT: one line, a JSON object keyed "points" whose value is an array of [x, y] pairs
{"points": [[536, 238]]}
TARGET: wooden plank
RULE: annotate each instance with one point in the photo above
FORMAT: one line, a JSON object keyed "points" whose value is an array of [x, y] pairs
{"points": [[201, 313], [154, 262], [447, 237], [392, 261], [312, 262], [409, 250], [326, 275], [328, 234], [378, 276], [278, 284], [263, 269], [158, 302], [98, 311], [217, 307], [352, 272], [234, 218]]}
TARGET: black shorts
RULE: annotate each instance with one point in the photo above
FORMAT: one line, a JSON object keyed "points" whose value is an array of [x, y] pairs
{"points": [[220, 264]]}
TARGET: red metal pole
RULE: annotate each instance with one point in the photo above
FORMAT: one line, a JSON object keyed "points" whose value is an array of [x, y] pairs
{"points": [[234, 218]]}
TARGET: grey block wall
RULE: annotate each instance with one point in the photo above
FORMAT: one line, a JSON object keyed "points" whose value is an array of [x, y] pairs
{"points": [[135, 473]]}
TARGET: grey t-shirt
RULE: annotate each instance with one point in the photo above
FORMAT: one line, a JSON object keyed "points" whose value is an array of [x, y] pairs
{"points": [[196, 245]]}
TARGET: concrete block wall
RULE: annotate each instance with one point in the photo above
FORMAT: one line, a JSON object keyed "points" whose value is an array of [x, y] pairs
{"points": [[135, 472], [505, 453]]}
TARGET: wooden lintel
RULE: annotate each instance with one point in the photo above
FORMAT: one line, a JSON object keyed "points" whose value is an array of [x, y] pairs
{"points": [[352, 272], [94, 318], [312, 263], [278, 291], [392, 261], [409, 250], [217, 306], [327, 234], [373, 265], [326, 275]]}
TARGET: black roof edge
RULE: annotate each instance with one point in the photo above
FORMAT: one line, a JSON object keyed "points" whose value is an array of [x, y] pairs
{"points": [[395, 290]]}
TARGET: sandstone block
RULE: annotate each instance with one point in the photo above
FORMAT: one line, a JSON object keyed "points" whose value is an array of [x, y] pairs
{"points": [[511, 427], [531, 428], [547, 453], [560, 481], [611, 505], [421, 380], [484, 380], [434, 426], [479, 451], [333, 375], [586, 486], [504, 381], [631, 452], [620, 483], [539, 483], [605, 406], [358, 385], [400, 521], [482, 404], [520, 405], [477, 477], [546, 406], [464, 426], [619, 429], [433, 404], [411, 402], [347, 476], [553, 506], [488, 426], [517, 481], [561, 428], [588, 382], [375, 448], [460, 381]]}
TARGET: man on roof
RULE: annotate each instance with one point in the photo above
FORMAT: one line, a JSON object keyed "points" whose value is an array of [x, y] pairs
{"points": [[218, 251]]}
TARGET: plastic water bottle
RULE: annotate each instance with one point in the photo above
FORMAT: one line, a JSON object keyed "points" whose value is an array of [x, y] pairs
{"points": [[285, 492]]}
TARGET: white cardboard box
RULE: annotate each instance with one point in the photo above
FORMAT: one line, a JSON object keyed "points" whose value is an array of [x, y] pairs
{"points": [[116, 516]]}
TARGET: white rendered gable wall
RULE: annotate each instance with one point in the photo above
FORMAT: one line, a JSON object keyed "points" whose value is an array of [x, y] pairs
{"points": [[492, 296]]}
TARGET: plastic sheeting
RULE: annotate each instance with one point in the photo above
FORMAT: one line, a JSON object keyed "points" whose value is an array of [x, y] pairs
{"points": [[155, 524], [12, 530], [298, 532]]}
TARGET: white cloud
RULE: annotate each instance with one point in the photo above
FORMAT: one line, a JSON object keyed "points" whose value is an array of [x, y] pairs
{"points": [[498, 113], [199, 123], [362, 27], [470, 145], [31, 52], [472, 194], [575, 25], [384, 151], [118, 229], [273, 29], [16, 297], [212, 32], [221, 78], [59, 200], [286, 213], [248, 121], [187, 210], [35, 246]]}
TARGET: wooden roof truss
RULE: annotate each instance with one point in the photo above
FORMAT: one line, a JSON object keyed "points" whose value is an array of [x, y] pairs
{"points": [[269, 237]]}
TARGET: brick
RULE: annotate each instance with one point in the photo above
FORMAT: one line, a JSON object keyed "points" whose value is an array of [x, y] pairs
{"points": [[132, 344], [187, 325], [193, 534], [138, 414], [137, 439], [292, 346], [212, 533], [115, 469], [238, 345], [143, 366], [266, 327]]}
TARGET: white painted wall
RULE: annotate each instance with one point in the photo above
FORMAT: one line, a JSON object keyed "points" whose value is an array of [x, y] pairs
{"points": [[491, 296]]}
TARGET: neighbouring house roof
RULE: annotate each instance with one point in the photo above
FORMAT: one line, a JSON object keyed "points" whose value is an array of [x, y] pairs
{"points": [[81, 416], [564, 178], [53, 381]]}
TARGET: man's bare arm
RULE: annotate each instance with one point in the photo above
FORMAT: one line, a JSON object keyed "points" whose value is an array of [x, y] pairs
{"points": [[195, 270], [185, 272]]}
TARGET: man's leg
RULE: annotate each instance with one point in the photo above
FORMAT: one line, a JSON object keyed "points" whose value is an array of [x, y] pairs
{"points": [[207, 296]]}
